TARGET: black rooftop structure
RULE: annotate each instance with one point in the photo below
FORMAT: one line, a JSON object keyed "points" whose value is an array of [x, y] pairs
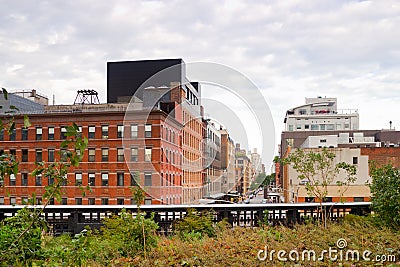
{"points": [[124, 78]]}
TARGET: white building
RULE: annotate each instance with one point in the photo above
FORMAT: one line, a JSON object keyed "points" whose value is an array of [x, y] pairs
{"points": [[321, 114], [340, 140]]}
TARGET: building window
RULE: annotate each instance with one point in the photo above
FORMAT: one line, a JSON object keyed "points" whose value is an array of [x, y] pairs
{"points": [[24, 134], [310, 199], [135, 178], [91, 201], [120, 201], [78, 179], [24, 201], [78, 201], [1, 200], [314, 127], [104, 154], [355, 160], [63, 133], [347, 126], [51, 133], [134, 131], [147, 201], [24, 179], [104, 179], [147, 154], [306, 126], [120, 131], [39, 155], [63, 155], [104, 201], [328, 199], [64, 201], [134, 154], [50, 155], [39, 133], [322, 127], [39, 200], [330, 127], [92, 179], [298, 126], [120, 179], [147, 130], [104, 132], [50, 180], [147, 179], [13, 200], [12, 135], [38, 180], [290, 128], [12, 180], [24, 157], [120, 154], [92, 132], [91, 154]]}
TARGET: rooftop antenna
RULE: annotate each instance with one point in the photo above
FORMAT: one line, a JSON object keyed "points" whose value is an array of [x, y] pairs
{"points": [[390, 125], [86, 96]]}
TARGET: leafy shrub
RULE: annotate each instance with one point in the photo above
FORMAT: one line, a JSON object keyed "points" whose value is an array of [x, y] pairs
{"points": [[195, 224], [79, 250], [386, 194], [129, 234], [20, 237]]}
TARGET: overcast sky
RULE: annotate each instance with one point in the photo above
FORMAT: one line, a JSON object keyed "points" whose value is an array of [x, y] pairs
{"points": [[289, 49]]}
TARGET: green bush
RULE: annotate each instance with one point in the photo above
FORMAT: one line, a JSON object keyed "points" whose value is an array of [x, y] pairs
{"points": [[21, 238], [199, 224], [79, 250], [129, 234], [386, 195]]}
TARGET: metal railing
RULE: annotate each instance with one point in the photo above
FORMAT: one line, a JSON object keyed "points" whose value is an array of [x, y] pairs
{"points": [[74, 218]]}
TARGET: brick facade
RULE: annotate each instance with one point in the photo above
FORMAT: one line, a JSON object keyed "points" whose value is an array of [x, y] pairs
{"points": [[161, 168]]}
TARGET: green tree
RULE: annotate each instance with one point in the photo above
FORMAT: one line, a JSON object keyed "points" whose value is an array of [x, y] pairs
{"points": [[385, 190], [19, 235], [318, 168]]}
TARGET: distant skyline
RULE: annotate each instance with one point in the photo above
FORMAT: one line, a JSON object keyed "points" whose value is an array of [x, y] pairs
{"points": [[289, 49]]}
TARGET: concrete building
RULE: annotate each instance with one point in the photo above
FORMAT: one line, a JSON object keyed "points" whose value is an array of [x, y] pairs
{"points": [[321, 114], [354, 147]]}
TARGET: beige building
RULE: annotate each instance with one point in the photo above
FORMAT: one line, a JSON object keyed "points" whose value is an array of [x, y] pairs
{"points": [[227, 161], [295, 189]]}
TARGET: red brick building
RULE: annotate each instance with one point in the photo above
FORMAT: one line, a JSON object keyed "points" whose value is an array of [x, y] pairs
{"points": [[145, 149]]}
